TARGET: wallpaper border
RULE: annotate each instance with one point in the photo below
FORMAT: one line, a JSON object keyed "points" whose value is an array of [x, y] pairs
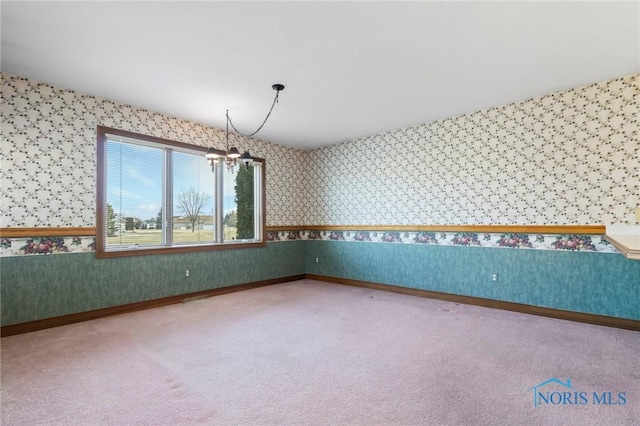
{"points": [[508, 240], [42, 241]]}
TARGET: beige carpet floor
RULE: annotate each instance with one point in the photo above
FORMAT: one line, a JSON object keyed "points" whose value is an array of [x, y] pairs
{"points": [[316, 353]]}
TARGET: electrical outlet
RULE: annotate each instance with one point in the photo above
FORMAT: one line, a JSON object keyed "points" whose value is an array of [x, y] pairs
{"points": [[186, 273], [317, 260], [494, 278]]}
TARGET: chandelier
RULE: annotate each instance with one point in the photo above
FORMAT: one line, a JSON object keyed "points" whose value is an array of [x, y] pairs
{"points": [[230, 156]]}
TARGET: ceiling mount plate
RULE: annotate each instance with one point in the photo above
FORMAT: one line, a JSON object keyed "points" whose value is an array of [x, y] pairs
{"points": [[278, 87]]}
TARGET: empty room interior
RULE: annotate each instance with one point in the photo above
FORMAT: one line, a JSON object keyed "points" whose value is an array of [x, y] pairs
{"points": [[358, 213]]}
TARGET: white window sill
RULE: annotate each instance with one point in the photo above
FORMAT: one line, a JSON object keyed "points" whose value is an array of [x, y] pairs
{"points": [[626, 239]]}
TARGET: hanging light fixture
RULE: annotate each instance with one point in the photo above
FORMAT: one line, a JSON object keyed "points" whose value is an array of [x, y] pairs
{"points": [[217, 157]]}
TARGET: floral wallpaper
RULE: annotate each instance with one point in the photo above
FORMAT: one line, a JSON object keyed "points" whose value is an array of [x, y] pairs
{"points": [[571, 157], [49, 161], [568, 158], [594, 243], [45, 245]]}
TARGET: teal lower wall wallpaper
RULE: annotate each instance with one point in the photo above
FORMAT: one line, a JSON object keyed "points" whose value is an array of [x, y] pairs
{"points": [[45, 286], [589, 282]]}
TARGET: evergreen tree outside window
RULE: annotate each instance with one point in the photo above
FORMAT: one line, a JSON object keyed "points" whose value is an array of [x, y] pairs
{"points": [[158, 196], [244, 201]]}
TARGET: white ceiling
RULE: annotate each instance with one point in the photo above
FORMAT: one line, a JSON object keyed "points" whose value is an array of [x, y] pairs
{"points": [[351, 69]]}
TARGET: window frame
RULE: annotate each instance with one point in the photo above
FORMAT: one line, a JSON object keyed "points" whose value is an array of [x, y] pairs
{"points": [[101, 202]]}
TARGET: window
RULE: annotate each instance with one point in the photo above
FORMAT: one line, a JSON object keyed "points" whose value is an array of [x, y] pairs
{"points": [[161, 196]]}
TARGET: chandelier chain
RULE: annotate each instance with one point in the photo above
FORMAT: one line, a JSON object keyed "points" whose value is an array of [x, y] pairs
{"points": [[275, 101]]}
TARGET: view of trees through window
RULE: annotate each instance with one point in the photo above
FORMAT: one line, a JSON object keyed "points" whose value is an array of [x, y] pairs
{"points": [[193, 218], [166, 196], [244, 213]]}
